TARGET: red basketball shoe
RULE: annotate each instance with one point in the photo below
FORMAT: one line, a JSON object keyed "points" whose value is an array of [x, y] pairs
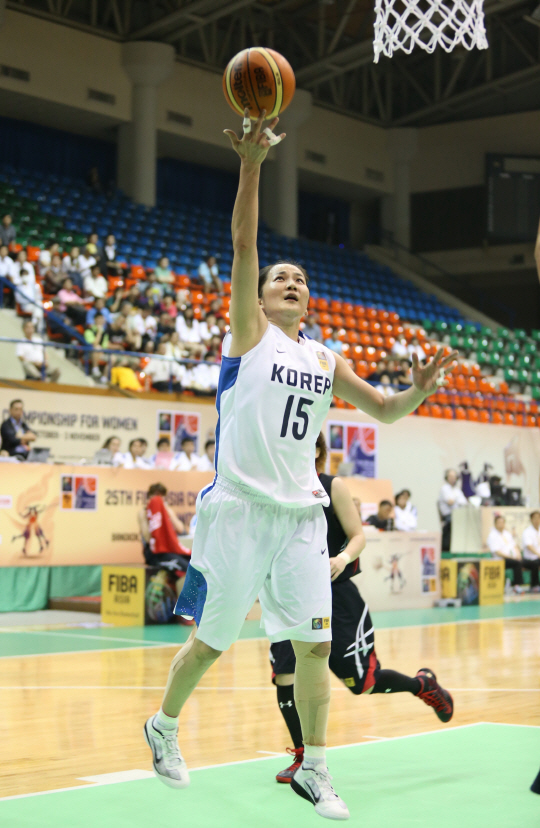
{"points": [[434, 695], [287, 774]]}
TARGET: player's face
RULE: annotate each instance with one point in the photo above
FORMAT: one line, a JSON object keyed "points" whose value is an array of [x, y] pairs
{"points": [[285, 293]]}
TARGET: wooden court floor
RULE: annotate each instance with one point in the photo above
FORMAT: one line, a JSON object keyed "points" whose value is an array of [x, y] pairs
{"points": [[74, 701]]}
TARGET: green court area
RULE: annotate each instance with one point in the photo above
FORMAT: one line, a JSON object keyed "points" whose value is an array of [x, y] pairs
{"points": [[476, 776], [79, 639]]}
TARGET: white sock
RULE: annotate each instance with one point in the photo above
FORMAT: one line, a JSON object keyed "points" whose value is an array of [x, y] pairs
{"points": [[166, 722], [314, 755]]}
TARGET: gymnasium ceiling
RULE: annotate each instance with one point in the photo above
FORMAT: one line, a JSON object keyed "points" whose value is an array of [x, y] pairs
{"points": [[329, 44]]}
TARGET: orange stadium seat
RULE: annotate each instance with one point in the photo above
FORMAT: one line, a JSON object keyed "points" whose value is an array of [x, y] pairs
{"points": [[350, 322], [435, 411], [352, 337], [321, 304], [336, 306], [325, 318], [503, 388], [519, 419], [348, 309], [197, 297], [227, 289], [421, 334], [327, 332], [364, 339], [346, 350], [343, 334], [389, 342], [497, 418], [472, 414], [337, 320], [483, 416], [461, 414], [32, 253], [530, 421], [509, 419], [378, 341], [460, 382], [476, 371], [311, 303], [472, 384], [359, 310], [387, 329], [393, 317], [399, 330], [374, 327], [448, 412], [423, 410], [382, 315], [339, 403], [363, 325], [371, 313], [362, 368], [358, 351]]}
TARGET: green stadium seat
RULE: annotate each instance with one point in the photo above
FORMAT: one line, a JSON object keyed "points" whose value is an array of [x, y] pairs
{"points": [[455, 327], [510, 374], [522, 375], [503, 333], [482, 343], [535, 392], [456, 341], [509, 361], [441, 326], [469, 343], [495, 358], [427, 324], [483, 358], [65, 238], [535, 335], [526, 361], [529, 348], [497, 345], [470, 329], [513, 348], [520, 333], [485, 330], [534, 377]]}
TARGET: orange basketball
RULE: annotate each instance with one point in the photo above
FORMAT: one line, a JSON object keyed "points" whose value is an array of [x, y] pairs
{"points": [[259, 78]]}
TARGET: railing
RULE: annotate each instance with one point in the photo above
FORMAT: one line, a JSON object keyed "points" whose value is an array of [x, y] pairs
{"points": [[86, 350]]}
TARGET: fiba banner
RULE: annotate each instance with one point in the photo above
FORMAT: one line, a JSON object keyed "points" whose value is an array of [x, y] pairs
{"points": [[354, 443], [474, 582], [68, 515], [400, 570]]}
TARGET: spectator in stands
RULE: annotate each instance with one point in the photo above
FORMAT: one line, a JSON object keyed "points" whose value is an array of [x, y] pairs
{"points": [[15, 433], [8, 231], [205, 375], [415, 348], [45, 257], [70, 303], [151, 288], [98, 307], [86, 262], [189, 331], [71, 267], [382, 519], [97, 336], [312, 328], [22, 262], [96, 285], [173, 347], [530, 541], [7, 265], [333, 343], [118, 333], [53, 276], [28, 294], [208, 327], [209, 275], [206, 462], [502, 545], [375, 376], [403, 374], [165, 374], [163, 272], [123, 375], [187, 460], [132, 326], [164, 457], [114, 301], [450, 497], [109, 253], [93, 180], [399, 348], [215, 346], [96, 248], [405, 516], [165, 325], [104, 456], [385, 385], [33, 355], [167, 306], [134, 457]]}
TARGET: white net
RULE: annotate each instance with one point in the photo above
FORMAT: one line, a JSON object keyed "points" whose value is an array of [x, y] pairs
{"points": [[404, 24]]}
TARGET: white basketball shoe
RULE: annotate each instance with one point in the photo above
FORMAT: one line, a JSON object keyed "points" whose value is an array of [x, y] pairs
{"points": [[169, 765], [314, 784]]}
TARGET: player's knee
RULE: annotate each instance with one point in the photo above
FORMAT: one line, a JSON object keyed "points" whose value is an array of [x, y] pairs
{"points": [[203, 652], [284, 679], [322, 650]]}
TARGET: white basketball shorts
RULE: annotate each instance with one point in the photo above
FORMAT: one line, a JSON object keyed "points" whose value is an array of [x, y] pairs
{"points": [[245, 545]]}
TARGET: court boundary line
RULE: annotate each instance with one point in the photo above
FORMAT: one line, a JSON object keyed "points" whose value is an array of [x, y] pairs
{"points": [[243, 689], [162, 645], [259, 759]]}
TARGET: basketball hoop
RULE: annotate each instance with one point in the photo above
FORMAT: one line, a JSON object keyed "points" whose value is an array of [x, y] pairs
{"points": [[404, 24]]}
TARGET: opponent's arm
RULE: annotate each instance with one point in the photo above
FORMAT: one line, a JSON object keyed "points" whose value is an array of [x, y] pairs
{"points": [[248, 322], [348, 516], [144, 529], [178, 524], [357, 392]]}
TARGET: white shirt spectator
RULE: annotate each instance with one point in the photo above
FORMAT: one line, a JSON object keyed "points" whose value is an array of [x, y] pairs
{"points": [[206, 272], [184, 463], [502, 544], [125, 460], [386, 390], [205, 376], [186, 333], [416, 349], [405, 520], [97, 288], [110, 252], [18, 266], [159, 370], [531, 537], [70, 265], [174, 350], [7, 267], [84, 264], [31, 350], [399, 349], [29, 290], [450, 498], [205, 464], [208, 332]]}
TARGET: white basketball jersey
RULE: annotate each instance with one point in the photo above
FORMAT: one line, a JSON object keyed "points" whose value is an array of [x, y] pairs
{"points": [[272, 403]]}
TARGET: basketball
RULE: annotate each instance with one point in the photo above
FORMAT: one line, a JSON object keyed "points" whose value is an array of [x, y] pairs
{"points": [[258, 79]]}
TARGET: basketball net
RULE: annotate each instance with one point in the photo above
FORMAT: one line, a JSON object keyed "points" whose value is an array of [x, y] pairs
{"points": [[404, 24]]}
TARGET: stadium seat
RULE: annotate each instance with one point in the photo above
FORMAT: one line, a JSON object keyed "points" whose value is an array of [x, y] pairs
{"points": [[472, 414], [484, 416], [461, 414]]}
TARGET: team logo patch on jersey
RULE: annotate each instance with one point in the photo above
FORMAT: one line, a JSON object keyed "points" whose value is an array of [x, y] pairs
{"points": [[319, 493], [350, 682], [320, 623], [323, 361]]}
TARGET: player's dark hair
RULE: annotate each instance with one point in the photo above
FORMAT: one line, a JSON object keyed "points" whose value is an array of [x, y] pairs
{"points": [[14, 402], [385, 503], [187, 440], [137, 440], [536, 512], [320, 463], [156, 489], [163, 440], [402, 492], [209, 443], [264, 271]]}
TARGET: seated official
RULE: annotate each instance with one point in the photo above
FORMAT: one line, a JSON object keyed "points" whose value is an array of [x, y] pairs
{"points": [[16, 434], [134, 456], [382, 519], [503, 546], [405, 516], [530, 544]]}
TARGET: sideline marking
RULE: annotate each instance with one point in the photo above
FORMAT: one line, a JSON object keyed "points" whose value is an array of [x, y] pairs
{"points": [[118, 776], [243, 689]]}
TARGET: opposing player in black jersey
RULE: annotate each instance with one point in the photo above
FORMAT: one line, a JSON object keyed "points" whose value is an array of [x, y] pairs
{"points": [[352, 658]]}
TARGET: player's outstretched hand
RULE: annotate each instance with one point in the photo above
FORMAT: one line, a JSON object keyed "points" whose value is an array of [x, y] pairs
{"points": [[430, 377], [256, 141]]}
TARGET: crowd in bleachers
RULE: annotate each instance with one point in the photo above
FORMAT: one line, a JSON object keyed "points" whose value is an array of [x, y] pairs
{"points": [[126, 278]]}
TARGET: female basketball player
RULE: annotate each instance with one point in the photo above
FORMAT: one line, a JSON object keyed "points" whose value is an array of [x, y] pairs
{"points": [[352, 658], [260, 526]]}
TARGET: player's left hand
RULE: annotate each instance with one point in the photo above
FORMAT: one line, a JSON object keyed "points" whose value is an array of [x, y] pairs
{"points": [[431, 376], [337, 565]]}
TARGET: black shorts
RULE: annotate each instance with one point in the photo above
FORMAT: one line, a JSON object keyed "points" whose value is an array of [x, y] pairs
{"points": [[353, 658], [176, 564]]}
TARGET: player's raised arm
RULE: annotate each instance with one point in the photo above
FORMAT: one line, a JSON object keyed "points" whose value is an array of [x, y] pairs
{"points": [[248, 322], [426, 379]]}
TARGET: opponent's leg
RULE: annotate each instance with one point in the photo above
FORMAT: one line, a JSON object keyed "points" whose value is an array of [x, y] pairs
{"points": [[389, 681], [285, 697], [161, 731], [312, 695]]}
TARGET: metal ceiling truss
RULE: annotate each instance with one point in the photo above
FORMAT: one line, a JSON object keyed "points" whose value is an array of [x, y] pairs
{"points": [[329, 44]]}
